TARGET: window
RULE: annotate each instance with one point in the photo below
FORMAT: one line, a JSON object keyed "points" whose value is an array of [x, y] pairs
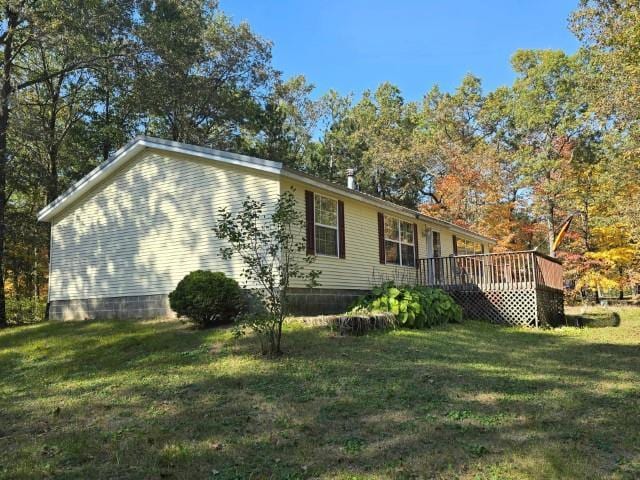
{"points": [[467, 247], [399, 244], [326, 225], [437, 246]]}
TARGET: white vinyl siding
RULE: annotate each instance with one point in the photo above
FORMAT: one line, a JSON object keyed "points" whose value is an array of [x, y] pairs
{"points": [[148, 225], [361, 267]]}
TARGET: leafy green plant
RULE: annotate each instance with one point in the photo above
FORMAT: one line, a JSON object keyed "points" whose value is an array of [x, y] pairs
{"points": [[25, 310], [414, 307], [438, 306], [207, 298], [353, 445]]}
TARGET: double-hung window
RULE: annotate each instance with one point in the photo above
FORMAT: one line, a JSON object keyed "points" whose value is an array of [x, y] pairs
{"points": [[467, 247], [399, 242], [326, 225]]}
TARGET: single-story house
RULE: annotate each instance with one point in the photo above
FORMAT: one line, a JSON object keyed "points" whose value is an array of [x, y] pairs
{"points": [[123, 236]]}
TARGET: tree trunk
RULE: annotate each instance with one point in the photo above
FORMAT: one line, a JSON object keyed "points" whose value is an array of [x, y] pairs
{"points": [[278, 337], [620, 288], [5, 102], [36, 287], [106, 142], [587, 231], [52, 184]]}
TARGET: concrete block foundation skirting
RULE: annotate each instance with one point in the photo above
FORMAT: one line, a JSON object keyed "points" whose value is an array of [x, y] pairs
{"points": [[143, 306], [304, 301], [319, 301]]}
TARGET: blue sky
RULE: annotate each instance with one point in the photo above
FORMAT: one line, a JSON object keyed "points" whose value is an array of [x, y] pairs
{"points": [[353, 45]]}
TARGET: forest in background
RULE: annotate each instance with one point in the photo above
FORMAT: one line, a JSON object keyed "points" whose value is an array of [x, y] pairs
{"points": [[79, 79]]}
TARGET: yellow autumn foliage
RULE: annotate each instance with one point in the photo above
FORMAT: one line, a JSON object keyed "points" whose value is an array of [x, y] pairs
{"points": [[595, 281], [618, 256]]}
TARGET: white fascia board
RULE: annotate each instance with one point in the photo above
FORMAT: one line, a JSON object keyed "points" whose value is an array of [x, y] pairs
{"points": [[211, 154]]}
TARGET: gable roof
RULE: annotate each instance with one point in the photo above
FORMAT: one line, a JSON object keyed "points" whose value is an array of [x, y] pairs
{"points": [[140, 143], [130, 150]]}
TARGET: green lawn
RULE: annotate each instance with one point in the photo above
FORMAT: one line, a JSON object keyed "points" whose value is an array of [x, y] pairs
{"points": [[156, 399]]}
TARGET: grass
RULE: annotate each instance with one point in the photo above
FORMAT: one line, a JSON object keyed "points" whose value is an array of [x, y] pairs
{"points": [[155, 399]]}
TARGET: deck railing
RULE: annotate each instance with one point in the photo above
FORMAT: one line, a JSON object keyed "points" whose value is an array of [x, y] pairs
{"points": [[492, 271]]}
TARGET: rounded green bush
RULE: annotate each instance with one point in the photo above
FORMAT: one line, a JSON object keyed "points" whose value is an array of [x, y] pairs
{"points": [[207, 298]]}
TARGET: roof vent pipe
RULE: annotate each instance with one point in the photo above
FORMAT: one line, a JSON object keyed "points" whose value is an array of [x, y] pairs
{"points": [[351, 181]]}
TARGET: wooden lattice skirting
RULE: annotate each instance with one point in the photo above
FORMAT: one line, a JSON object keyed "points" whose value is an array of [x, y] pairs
{"points": [[525, 307]]}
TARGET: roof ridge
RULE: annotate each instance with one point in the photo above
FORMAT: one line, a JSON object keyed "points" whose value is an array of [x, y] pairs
{"points": [[208, 150]]}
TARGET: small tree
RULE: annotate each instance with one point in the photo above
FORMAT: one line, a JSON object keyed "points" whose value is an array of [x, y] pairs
{"points": [[271, 246]]}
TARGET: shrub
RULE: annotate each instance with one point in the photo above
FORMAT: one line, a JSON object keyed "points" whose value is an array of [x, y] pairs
{"points": [[207, 298], [24, 310], [414, 307]]}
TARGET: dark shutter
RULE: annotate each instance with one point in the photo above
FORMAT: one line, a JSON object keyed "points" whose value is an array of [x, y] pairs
{"points": [[381, 237], [455, 245], [341, 245], [482, 247], [311, 234], [415, 242]]}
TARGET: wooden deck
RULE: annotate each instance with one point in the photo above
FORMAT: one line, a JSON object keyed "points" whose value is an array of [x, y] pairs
{"points": [[516, 288]]}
